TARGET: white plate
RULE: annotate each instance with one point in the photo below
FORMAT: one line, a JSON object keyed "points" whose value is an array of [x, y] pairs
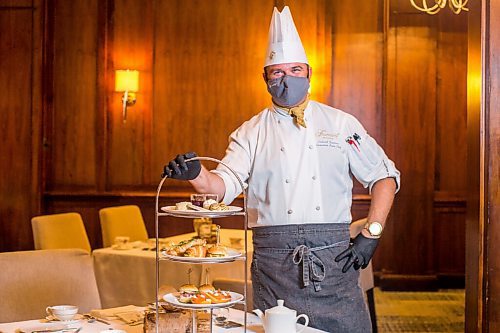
{"points": [[170, 298], [172, 210], [232, 254]]}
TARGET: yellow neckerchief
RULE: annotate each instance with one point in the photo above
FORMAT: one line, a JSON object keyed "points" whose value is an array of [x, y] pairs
{"points": [[297, 112]]}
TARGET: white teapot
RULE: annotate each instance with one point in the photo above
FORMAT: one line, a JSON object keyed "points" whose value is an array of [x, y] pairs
{"points": [[281, 319]]}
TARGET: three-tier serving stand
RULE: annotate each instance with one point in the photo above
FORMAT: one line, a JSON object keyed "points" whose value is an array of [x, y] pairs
{"points": [[214, 214]]}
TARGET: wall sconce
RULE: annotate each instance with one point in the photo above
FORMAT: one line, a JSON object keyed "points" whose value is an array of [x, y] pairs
{"points": [[127, 81], [436, 5]]}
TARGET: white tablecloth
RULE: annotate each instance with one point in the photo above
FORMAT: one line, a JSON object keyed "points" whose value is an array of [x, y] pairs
{"points": [[253, 325], [128, 276]]}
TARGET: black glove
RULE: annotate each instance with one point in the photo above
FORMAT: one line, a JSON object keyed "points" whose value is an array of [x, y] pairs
{"points": [[359, 252], [178, 168]]}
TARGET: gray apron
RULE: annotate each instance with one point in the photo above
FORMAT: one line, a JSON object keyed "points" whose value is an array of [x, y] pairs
{"points": [[296, 263]]}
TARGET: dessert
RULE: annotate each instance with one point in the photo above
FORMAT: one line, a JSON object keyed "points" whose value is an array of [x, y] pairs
{"points": [[182, 205], [218, 206], [207, 203]]}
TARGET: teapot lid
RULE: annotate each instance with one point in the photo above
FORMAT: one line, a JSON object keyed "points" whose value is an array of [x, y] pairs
{"points": [[280, 308]]}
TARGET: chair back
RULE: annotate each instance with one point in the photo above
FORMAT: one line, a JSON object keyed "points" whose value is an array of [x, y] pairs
{"points": [[60, 231], [32, 280], [122, 221]]}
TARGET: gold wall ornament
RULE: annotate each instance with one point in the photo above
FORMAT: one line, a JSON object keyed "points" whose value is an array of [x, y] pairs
{"points": [[436, 5]]}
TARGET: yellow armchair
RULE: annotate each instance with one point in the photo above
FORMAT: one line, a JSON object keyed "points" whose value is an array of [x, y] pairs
{"points": [[60, 231], [122, 221]]}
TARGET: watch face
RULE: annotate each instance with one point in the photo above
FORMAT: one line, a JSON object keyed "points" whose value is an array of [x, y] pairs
{"points": [[375, 228]]}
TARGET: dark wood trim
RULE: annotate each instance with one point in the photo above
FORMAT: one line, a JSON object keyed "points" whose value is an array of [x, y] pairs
{"points": [[102, 90], [451, 281], [399, 282], [48, 95], [475, 300], [37, 105]]}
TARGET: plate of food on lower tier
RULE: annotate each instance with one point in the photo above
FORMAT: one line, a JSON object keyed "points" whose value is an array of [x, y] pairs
{"points": [[191, 297]]}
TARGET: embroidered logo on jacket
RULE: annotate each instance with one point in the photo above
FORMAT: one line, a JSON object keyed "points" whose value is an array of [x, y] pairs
{"points": [[354, 141], [327, 139]]}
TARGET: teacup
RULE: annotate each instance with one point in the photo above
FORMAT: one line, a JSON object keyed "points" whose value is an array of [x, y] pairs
{"points": [[62, 312], [122, 242]]}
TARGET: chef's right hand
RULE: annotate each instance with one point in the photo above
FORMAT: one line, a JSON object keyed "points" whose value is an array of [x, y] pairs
{"points": [[178, 168]]}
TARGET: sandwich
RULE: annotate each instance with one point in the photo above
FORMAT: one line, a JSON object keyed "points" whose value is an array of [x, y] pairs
{"points": [[187, 292], [205, 288], [182, 247], [216, 251]]}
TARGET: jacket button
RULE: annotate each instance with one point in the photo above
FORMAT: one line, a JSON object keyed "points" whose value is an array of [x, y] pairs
{"points": [[287, 181], [310, 146], [318, 207], [290, 211], [282, 149], [314, 177]]}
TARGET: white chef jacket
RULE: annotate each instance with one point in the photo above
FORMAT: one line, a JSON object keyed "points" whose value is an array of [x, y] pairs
{"points": [[301, 175]]}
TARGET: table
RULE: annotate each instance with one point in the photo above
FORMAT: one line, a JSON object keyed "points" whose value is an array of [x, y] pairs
{"points": [[30, 325], [253, 322], [129, 276]]}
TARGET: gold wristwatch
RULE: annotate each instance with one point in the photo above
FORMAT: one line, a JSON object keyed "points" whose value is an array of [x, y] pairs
{"points": [[374, 228]]}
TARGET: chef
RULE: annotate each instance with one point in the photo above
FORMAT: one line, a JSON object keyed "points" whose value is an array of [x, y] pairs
{"points": [[296, 158]]}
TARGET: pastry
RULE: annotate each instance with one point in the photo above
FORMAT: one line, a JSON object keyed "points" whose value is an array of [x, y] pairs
{"points": [[219, 206], [197, 251], [219, 296]]}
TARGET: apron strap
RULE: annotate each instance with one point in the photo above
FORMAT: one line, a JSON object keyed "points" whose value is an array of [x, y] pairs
{"points": [[313, 269]]}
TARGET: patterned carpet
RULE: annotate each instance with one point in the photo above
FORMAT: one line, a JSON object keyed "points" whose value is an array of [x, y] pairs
{"points": [[441, 311]]}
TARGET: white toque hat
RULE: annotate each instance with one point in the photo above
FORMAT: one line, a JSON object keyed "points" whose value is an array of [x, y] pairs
{"points": [[284, 45]]}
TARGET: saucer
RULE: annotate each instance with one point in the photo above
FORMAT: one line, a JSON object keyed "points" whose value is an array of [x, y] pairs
{"points": [[52, 319], [122, 247]]}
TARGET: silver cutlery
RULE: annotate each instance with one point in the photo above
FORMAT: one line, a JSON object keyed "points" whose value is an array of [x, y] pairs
{"points": [[92, 319], [72, 330]]}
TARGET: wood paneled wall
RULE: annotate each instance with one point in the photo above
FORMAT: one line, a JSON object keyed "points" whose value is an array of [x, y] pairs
{"points": [[402, 73], [20, 110]]}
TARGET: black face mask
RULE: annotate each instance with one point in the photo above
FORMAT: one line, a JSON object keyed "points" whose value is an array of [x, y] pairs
{"points": [[287, 90]]}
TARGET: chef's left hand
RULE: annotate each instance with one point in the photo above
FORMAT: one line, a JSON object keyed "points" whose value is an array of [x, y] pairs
{"points": [[359, 252]]}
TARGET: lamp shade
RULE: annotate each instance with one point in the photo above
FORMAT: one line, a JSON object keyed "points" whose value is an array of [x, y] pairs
{"points": [[126, 80]]}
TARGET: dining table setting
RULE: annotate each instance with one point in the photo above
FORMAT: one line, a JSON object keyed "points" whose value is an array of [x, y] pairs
{"points": [[130, 319]]}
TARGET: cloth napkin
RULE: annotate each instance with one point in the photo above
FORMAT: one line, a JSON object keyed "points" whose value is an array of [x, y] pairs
{"points": [[297, 112], [130, 314]]}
